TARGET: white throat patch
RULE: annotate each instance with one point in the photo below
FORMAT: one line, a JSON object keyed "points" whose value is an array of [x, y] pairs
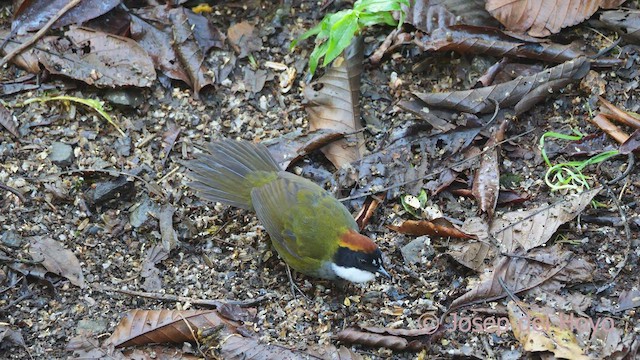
{"points": [[353, 274]]}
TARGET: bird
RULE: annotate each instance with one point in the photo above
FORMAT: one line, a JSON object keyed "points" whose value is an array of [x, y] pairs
{"points": [[310, 229]]}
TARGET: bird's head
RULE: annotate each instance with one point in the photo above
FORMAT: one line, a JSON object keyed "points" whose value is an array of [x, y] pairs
{"points": [[358, 258]]}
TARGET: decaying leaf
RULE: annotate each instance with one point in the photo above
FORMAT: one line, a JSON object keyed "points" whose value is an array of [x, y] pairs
{"points": [[521, 273], [34, 14], [468, 39], [334, 104], [486, 183], [532, 228], [140, 327], [522, 93], [293, 146], [188, 51], [436, 227], [428, 15], [244, 39], [625, 21], [543, 331], [542, 18], [97, 58], [6, 120], [56, 259], [381, 338]]}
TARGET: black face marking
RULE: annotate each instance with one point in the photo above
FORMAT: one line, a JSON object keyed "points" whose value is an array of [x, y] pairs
{"points": [[370, 262]]}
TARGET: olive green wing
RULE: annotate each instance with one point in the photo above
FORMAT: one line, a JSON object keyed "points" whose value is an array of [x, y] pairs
{"points": [[301, 217]]}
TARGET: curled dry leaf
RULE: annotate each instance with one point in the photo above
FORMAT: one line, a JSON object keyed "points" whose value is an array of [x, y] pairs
{"points": [[97, 58], [334, 104], [602, 121], [486, 183], [523, 92], [367, 338], [542, 18], [428, 15], [632, 144], [437, 227], [615, 113], [56, 259]]}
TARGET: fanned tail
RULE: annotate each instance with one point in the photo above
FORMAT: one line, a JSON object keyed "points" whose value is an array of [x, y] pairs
{"points": [[228, 170]]}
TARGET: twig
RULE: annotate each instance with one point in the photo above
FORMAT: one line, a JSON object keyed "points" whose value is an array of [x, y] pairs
{"points": [[13, 191], [40, 32], [176, 298]]}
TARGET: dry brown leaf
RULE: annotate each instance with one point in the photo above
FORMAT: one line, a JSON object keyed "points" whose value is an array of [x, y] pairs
{"points": [[615, 113], [372, 339], [625, 21], [476, 255], [188, 51], [141, 327], [56, 259], [6, 120], [244, 39], [537, 331], [33, 15], [542, 18], [486, 183], [468, 39], [27, 59], [525, 271], [602, 121], [292, 147], [532, 228], [97, 58], [334, 104], [522, 93], [436, 227]]}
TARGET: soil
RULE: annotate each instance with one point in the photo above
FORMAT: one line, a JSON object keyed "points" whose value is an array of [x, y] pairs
{"points": [[224, 253]]}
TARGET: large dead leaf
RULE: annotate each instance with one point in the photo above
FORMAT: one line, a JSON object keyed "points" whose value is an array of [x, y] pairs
{"points": [[542, 18], [293, 146], [27, 59], [625, 21], [532, 228], [541, 330], [150, 27], [140, 327], [522, 272], [97, 58], [189, 52], [468, 39], [334, 104], [522, 93], [56, 259], [214, 329], [31, 15]]}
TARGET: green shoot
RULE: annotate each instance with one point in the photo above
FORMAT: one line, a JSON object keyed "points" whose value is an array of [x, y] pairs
{"points": [[335, 32], [568, 175], [96, 105]]}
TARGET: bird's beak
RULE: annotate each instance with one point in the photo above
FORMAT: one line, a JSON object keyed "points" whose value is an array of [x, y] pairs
{"points": [[384, 272]]}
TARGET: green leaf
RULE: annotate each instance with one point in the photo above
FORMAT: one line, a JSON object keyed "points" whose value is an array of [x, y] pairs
{"points": [[367, 20], [315, 56], [340, 37]]}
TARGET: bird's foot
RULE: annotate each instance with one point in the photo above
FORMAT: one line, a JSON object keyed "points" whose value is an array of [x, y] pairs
{"points": [[294, 287]]}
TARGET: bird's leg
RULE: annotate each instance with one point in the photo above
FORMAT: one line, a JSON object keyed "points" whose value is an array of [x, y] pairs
{"points": [[294, 287]]}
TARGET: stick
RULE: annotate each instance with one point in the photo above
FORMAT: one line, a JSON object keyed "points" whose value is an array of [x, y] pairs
{"points": [[40, 32]]}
